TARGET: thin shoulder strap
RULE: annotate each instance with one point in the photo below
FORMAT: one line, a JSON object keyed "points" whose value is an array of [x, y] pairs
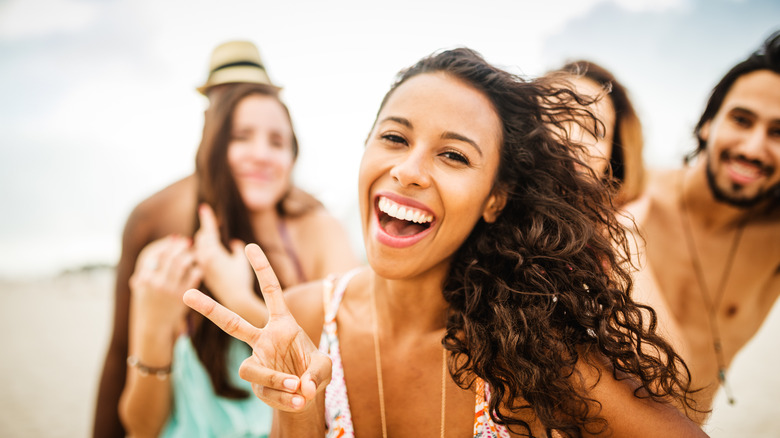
{"points": [[333, 295]]}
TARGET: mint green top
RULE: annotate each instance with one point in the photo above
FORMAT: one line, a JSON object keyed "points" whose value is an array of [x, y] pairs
{"points": [[198, 412]]}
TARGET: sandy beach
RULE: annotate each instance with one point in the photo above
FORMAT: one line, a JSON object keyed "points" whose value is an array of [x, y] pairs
{"points": [[55, 332]]}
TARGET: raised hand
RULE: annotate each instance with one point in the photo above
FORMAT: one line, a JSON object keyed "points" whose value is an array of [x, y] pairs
{"points": [[164, 271], [225, 271], [286, 369]]}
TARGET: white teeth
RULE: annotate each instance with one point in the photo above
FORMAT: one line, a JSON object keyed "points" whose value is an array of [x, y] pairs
{"points": [[404, 213], [748, 171]]}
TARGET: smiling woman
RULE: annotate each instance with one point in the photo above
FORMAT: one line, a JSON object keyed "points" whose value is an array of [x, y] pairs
{"points": [[181, 369], [494, 286]]}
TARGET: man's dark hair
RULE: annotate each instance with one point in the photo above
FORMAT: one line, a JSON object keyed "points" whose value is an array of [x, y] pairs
{"points": [[767, 57]]}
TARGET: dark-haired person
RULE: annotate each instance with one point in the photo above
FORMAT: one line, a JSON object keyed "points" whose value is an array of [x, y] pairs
{"points": [[615, 147], [712, 228], [255, 201], [495, 303]]}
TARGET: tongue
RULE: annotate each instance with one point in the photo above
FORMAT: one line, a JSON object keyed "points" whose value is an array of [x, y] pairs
{"points": [[398, 227]]}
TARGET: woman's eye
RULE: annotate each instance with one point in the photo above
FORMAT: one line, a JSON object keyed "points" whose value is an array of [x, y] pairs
{"points": [[394, 138], [455, 156]]}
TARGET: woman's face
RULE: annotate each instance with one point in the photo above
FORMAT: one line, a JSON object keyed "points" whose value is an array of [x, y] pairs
{"points": [[427, 174], [600, 147], [260, 152]]}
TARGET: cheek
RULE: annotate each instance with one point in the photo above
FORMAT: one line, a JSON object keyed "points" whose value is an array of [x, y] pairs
{"points": [[233, 158], [367, 174], [465, 200], [600, 155], [284, 162]]}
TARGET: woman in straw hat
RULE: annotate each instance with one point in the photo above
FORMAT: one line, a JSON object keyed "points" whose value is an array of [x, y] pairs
{"points": [[180, 369], [495, 303]]}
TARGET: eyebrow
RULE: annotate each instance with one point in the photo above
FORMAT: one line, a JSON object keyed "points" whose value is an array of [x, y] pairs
{"points": [[399, 120], [743, 110], [448, 135]]}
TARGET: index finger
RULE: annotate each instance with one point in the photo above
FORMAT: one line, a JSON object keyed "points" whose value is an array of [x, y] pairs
{"points": [[208, 222], [269, 284], [225, 319]]}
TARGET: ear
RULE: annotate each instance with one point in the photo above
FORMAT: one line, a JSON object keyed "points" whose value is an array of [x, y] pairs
{"points": [[704, 132], [495, 203]]}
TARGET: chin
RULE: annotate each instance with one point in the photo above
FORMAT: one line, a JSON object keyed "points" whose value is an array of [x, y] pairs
{"points": [[256, 205]]}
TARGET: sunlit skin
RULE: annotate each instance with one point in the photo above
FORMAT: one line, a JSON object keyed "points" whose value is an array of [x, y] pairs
{"points": [[599, 147], [434, 152], [435, 148], [260, 159], [743, 139], [742, 157], [260, 152]]}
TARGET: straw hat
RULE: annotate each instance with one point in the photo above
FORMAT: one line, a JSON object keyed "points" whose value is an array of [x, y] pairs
{"points": [[235, 61]]}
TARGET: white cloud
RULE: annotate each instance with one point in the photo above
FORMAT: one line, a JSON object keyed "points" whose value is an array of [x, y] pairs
{"points": [[652, 5], [20, 19]]}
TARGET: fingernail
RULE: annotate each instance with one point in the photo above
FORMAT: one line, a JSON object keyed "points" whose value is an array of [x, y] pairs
{"points": [[297, 401], [290, 384]]}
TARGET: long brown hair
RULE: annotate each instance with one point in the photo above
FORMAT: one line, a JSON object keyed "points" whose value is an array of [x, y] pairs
{"points": [[626, 162], [217, 187], [544, 288]]}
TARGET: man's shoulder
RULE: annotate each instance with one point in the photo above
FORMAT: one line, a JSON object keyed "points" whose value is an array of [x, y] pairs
{"points": [[661, 182], [181, 190], [660, 194], [159, 213]]}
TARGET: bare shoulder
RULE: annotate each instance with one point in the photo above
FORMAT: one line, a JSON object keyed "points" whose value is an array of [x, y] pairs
{"points": [[324, 243], [170, 210], [306, 303], [629, 412], [659, 195]]}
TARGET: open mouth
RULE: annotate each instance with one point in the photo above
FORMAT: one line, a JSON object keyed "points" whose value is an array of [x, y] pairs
{"points": [[745, 171], [399, 220]]}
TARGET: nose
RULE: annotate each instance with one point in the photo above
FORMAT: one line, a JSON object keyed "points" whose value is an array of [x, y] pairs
{"points": [[756, 144], [413, 169], [259, 150]]}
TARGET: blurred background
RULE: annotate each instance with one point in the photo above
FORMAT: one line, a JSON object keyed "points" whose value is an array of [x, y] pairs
{"points": [[98, 110]]}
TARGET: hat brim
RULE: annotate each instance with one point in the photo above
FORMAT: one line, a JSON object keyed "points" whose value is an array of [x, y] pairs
{"points": [[231, 75]]}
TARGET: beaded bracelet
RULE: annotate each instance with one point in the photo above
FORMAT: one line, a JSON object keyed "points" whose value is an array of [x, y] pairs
{"points": [[143, 370]]}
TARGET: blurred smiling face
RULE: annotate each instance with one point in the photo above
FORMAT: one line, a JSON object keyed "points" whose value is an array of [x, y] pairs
{"points": [[427, 174], [743, 141], [260, 152], [599, 148]]}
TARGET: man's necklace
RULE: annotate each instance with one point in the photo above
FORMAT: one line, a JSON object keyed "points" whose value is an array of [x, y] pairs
{"points": [[380, 385], [712, 303]]}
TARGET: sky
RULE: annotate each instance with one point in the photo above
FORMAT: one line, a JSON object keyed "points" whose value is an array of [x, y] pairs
{"points": [[99, 108]]}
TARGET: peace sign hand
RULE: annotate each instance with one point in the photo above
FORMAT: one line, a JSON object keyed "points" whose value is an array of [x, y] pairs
{"points": [[286, 369]]}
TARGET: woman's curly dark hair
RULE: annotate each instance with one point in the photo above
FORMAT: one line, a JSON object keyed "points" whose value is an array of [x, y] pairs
{"points": [[546, 287]]}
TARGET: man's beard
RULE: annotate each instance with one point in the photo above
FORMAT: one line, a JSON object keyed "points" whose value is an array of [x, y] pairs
{"points": [[721, 195]]}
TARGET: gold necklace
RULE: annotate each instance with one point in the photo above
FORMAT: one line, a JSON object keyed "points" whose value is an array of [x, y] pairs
{"points": [[711, 304], [380, 385]]}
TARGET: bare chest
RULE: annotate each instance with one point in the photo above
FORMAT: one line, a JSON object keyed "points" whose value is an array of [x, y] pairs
{"points": [[727, 277]]}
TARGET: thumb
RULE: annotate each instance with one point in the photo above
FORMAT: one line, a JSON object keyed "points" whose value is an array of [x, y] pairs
{"points": [[317, 376], [208, 220], [237, 247]]}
